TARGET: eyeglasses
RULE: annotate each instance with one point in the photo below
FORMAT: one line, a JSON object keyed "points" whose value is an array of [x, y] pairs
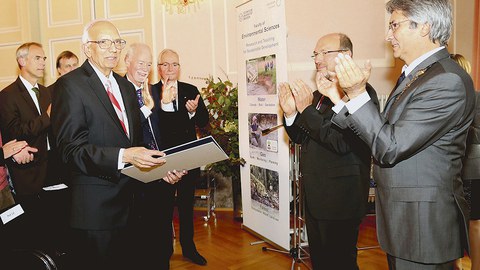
{"points": [[394, 25], [167, 65], [107, 43], [323, 53]]}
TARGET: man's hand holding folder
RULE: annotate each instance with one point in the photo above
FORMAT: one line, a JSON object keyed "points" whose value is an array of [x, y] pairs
{"points": [[184, 157], [143, 158]]}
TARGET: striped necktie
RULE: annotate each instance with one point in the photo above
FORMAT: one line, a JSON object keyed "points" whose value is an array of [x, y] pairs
{"points": [[116, 105], [148, 137]]}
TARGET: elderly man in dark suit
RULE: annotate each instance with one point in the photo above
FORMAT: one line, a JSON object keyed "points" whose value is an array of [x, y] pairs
{"points": [[153, 212], [334, 163], [182, 109], [418, 141], [96, 122]]}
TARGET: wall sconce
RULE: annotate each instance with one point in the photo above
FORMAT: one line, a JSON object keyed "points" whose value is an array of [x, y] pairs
{"points": [[182, 6]]}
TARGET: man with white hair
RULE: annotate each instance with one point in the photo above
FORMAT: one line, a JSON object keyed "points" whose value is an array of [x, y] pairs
{"points": [[96, 123]]}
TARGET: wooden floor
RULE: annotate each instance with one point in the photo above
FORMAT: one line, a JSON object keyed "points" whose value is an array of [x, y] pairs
{"points": [[226, 245]]}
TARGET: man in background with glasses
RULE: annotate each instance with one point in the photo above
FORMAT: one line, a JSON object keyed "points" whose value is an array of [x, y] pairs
{"points": [[418, 141], [181, 110], [96, 122], [334, 163]]}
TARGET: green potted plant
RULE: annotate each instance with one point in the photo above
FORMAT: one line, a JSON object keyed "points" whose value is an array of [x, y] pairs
{"points": [[221, 100]]}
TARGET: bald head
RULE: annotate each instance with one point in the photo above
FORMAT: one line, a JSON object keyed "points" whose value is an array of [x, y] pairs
{"points": [[102, 45], [328, 47]]}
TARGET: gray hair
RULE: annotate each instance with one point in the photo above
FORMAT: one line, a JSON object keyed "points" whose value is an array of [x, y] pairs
{"points": [[436, 13], [133, 48], [164, 51], [23, 50]]}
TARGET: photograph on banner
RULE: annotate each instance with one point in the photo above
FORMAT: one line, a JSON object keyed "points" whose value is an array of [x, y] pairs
{"points": [[264, 191], [261, 76], [263, 145]]}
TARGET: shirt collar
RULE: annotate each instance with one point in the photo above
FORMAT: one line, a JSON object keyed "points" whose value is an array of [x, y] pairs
{"points": [[134, 85], [27, 84], [100, 75], [416, 62]]}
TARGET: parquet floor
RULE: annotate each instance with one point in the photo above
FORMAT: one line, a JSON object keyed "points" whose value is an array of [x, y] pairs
{"points": [[226, 245]]}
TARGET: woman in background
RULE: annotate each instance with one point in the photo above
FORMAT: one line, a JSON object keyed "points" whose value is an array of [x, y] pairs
{"points": [[471, 173]]}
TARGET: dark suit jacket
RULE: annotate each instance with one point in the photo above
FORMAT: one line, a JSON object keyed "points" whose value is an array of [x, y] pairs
{"points": [[89, 138], [177, 127], [335, 164], [418, 142], [153, 117], [19, 119]]}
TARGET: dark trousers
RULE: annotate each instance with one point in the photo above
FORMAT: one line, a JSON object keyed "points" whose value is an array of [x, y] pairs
{"points": [[101, 250], [184, 200], [395, 263], [332, 243], [151, 223]]}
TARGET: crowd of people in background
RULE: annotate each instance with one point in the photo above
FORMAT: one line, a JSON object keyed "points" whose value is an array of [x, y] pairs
{"points": [[67, 143]]}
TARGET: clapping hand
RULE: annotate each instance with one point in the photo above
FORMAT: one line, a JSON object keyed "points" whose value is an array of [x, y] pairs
{"points": [[302, 94], [351, 77], [21, 152], [327, 85], [169, 92], [147, 97], [286, 100], [192, 104]]}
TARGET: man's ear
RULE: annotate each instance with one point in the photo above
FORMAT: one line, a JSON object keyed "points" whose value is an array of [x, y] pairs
{"points": [[425, 30], [22, 62], [87, 50]]}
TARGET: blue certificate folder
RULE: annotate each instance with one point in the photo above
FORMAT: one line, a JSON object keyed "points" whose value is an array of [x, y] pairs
{"points": [[186, 156]]}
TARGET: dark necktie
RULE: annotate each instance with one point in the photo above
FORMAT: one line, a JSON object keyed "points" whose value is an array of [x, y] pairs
{"points": [[399, 81], [148, 136], [37, 93], [320, 102], [175, 105]]}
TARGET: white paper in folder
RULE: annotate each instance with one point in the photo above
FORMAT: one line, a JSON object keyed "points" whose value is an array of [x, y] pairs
{"points": [[186, 156]]}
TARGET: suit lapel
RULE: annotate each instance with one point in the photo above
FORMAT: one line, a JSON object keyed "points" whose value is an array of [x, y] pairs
{"points": [[427, 62], [99, 89], [128, 103], [26, 96], [45, 99], [181, 98]]}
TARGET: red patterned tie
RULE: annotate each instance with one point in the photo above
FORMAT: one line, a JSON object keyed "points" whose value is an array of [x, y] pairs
{"points": [[116, 105]]}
